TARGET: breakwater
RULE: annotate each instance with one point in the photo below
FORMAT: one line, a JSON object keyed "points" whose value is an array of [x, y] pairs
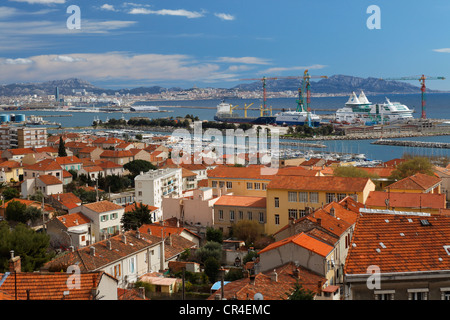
{"points": [[418, 144]]}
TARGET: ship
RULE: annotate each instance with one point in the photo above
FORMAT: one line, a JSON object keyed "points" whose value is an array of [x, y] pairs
{"points": [[225, 114], [359, 110], [144, 108], [297, 118]]}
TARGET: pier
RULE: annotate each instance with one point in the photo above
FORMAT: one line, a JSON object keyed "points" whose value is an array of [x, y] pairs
{"points": [[418, 144]]}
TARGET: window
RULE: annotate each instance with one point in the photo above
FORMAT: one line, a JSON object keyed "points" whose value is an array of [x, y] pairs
{"points": [[104, 218], [140, 193], [330, 197], [113, 216], [302, 213], [277, 202], [220, 214], [214, 184], [384, 294], [264, 186], [261, 217], [231, 215], [132, 264], [258, 186], [117, 271], [341, 196], [303, 197], [277, 219], [229, 185], [418, 294], [241, 215], [221, 184], [292, 196], [313, 197], [249, 186], [250, 215], [292, 213], [445, 293]]}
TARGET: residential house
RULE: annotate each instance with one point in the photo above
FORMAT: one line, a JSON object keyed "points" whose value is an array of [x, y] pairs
{"points": [[303, 249], [69, 230], [189, 179], [295, 196], [109, 168], [26, 137], [444, 175], [396, 256], [16, 154], [165, 229], [48, 150], [152, 186], [69, 163], [417, 183], [93, 172], [75, 146], [155, 212], [106, 218], [44, 167], [140, 154], [47, 210], [275, 284], [123, 198], [126, 257], [96, 285], [90, 152], [194, 208], [46, 184], [64, 201], [230, 209], [11, 171], [407, 201], [118, 157]]}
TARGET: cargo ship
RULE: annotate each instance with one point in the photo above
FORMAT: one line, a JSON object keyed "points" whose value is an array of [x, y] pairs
{"points": [[225, 114]]}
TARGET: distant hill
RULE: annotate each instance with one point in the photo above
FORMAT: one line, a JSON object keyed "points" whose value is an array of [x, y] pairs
{"points": [[337, 84]]}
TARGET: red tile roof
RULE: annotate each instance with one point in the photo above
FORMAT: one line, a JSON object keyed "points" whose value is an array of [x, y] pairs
{"points": [[102, 206], [50, 286], [116, 154], [419, 181], [20, 151], [287, 276], [73, 219], [49, 179], [66, 197], [399, 243], [406, 200], [302, 240], [44, 165], [241, 201], [67, 160], [340, 184]]}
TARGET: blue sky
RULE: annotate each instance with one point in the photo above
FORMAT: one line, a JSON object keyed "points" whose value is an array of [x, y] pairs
{"points": [[216, 43]]}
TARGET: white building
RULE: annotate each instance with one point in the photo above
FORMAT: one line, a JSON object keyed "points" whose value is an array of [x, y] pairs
{"points": [[152, 186], [105, 216]]}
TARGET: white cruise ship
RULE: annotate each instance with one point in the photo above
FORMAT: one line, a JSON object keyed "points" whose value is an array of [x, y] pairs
{"points": [[359, 110], [294, 118]]}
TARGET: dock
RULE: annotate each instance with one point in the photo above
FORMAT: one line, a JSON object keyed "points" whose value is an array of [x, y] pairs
{"points": [[418, 144]]}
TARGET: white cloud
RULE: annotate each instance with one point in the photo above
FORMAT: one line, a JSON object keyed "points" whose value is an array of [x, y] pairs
{"points": [[445, 50], [224, 16], [108, 7], [297, 68], [168, 12], [245, 60], [18, 61], [67, 59], [112, 66], [41, 1]]}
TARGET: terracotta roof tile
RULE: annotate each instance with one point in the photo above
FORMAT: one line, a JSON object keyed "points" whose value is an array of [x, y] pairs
{"points": [[419, 181], [399, 243], [73, 219], [49, 179], [44, 165], [318, 183], [302, 240], [406, 200], [241, 201], [102, 206]]}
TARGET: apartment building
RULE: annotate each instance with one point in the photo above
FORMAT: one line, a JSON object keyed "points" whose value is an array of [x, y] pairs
{"points": [[295, 196], [22, 137], [152, 186]]}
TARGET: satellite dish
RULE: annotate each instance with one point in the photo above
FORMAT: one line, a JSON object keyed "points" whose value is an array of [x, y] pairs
{"points": [[258, 296]]}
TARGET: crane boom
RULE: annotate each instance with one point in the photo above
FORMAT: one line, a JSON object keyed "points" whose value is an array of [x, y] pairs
{"points": [[422, 89]]}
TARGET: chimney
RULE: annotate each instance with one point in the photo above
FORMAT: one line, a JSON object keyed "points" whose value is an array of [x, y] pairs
{"points": [[14, 263], [108, 244], [332, 212], [124, 238], [274, 276], [92, 250], [296, 273], [142, 292], [149, 231], [319, 221], [138, 234], [71, 249]]}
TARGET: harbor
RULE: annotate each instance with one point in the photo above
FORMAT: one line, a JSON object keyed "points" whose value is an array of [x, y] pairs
{"points": [[417, 144]]}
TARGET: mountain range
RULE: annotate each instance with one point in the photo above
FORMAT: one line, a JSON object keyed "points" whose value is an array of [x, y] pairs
{"points": [[336, 84]]}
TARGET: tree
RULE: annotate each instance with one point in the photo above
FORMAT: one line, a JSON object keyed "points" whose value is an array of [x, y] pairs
{"points": [[15, 211], [210, 249], [214, 235], [300, 293], [352, 172], [31, 246], [137, 217], [137, 166], [212, 267], [10, 193], [411, 167], [247, 230], [61, 148]]}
